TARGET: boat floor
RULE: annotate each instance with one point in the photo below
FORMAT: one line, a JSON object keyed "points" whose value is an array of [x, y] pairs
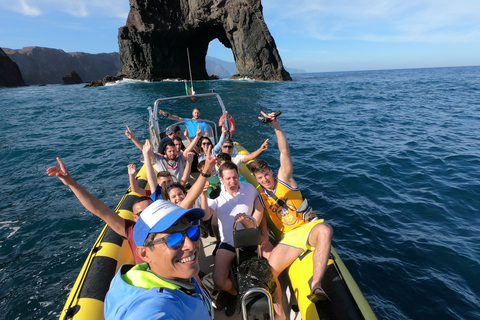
{"points": [[207, 260]]}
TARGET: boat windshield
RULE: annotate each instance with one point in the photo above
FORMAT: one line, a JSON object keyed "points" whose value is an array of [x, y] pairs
{"points": [[217, 109]]}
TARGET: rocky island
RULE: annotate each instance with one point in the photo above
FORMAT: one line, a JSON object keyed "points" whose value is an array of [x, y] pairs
{"points": [[153, 44]]}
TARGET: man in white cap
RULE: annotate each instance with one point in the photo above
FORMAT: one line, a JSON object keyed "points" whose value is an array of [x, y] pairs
{"points": [[167, 238]]}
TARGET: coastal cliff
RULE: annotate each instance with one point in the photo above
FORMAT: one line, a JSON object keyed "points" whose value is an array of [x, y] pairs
{"points": [[153, 44], [10, 75], [48, 66]]}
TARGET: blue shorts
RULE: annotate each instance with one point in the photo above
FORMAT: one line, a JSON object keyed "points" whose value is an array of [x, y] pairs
{"points": [[226, 246]]}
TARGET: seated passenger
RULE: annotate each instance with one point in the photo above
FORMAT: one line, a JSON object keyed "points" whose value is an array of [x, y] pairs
{"points": [[121, 226], [281, 199], [234, 202], [164, 179], [184, 200], [171, 161], [178, 144], [172, 132], [205, 142], [227, 147], [164, 287]]}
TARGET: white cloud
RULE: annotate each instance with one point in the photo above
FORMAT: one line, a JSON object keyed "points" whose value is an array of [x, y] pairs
{"points": [[76, 8], [378, 20], [21, 6]]}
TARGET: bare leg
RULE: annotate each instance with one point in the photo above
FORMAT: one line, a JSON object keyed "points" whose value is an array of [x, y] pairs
{"points": [[280, 258], [221, 268], [320, 238]]}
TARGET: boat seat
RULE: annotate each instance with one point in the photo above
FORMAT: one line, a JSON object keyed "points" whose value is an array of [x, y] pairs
{"points": [[255, 300]]}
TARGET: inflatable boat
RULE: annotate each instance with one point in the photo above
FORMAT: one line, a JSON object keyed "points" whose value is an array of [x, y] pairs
{"points": [[110, 251]]}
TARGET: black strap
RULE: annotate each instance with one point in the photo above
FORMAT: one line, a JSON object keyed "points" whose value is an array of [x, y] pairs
{"points": [[280, 202]]}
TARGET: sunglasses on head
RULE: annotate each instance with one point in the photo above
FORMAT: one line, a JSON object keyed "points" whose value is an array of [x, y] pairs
{"points": [[175, 240]]}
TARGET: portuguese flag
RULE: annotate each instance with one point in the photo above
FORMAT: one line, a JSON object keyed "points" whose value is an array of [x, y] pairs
{"points": [[189, 91]]}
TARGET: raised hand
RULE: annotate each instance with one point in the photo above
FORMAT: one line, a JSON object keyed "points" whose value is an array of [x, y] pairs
{"points": [[61, 172], [132, 169], [129, 133], [264, 145], [147, 150], [210, 161]]}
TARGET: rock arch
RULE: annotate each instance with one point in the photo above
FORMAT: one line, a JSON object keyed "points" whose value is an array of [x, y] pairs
{"points": [[153, 44]]}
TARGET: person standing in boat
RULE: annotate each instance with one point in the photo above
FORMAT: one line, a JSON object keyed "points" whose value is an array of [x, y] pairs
{"points": [[123, 227], [164, 286], [191, 124], [300, 228]]}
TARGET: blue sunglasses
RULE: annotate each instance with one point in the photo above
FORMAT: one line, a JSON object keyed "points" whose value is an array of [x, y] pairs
{"points": [[175, 240]]}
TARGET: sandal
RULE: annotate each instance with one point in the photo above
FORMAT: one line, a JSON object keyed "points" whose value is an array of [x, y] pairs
{"points": [[318, 295], [268, 120]]}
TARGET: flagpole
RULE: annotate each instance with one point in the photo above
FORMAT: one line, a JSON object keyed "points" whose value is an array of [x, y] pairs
{"points": [[190, 69]]}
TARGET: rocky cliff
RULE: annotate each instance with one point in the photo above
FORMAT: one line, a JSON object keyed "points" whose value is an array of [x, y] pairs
{"points": [[10, 75], [47, 66], [153, 44]]}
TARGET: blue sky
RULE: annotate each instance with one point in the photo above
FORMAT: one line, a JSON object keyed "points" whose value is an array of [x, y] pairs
{"points": [[313, 35]]}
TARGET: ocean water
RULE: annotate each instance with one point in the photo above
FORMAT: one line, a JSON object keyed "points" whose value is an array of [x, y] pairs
{"points": [[391, 159]]}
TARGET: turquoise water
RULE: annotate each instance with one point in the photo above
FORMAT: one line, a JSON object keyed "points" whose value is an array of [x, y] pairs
{"points": [[390, 158]]}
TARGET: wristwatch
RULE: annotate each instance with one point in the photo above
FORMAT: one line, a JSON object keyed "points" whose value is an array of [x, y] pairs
{"points": [[206, 175]]}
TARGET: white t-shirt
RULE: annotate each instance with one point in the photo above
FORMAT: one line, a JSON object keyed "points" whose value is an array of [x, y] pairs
{"points": [[238, 159], [228, 207]]}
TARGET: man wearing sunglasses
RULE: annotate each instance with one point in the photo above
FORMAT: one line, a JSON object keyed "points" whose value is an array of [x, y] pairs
{"points": [[227, 147], [167, 238]]}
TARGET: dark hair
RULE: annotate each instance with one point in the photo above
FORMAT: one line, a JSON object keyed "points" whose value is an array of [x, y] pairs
{"points": [[148, 241], [259, 166], [177, 138], [163, 174], [140, 199], [169, 143], [227, 166], [201, 165], [200, 141], [222, 156], [173, 186]]}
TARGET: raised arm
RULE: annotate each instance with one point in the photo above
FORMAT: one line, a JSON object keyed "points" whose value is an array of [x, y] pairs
{"points": [[91, 203], [204, 202], [170, 116], [197, 188], [132, 169], [151, 177], [187, 169], [192, 143], [134, 139], [218, 147], [285, 172], [257, 152]]}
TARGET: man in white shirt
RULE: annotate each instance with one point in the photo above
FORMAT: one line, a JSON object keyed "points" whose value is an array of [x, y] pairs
{"points": [[236, 200]]}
